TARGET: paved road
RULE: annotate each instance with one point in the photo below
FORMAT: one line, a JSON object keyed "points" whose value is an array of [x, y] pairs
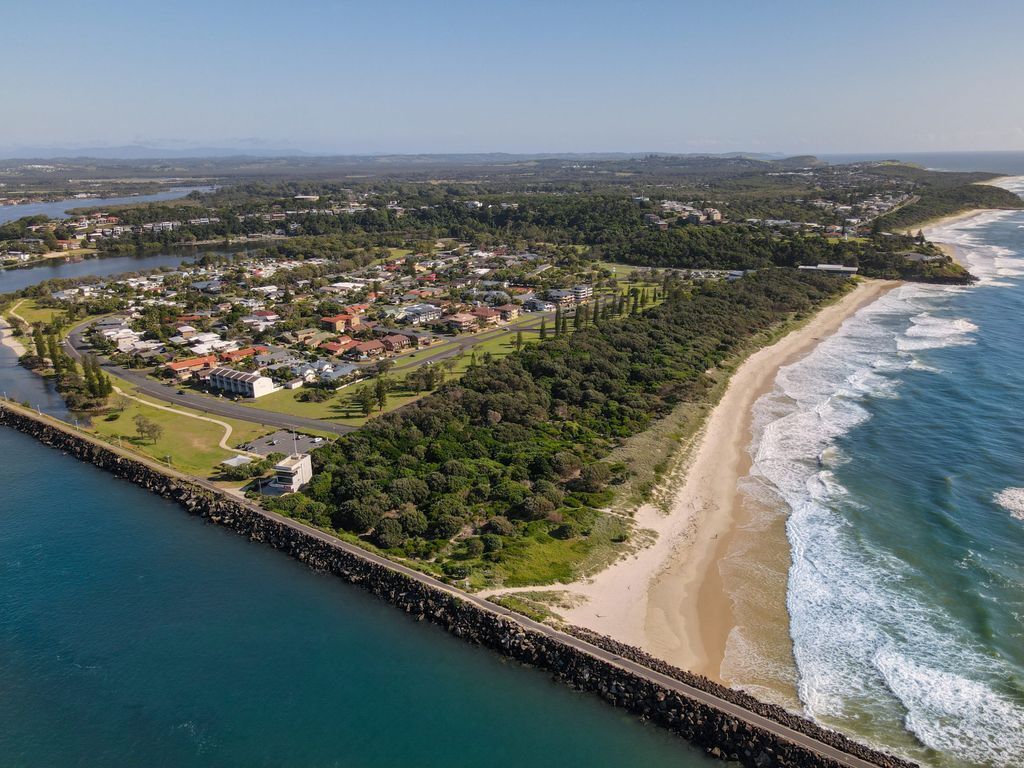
{"points": [[76, 344], [459, 345], [169, 393], [594, 651]]}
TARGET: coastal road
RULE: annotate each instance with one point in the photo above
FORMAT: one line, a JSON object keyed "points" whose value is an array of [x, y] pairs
{"points": [[634, 668], [683, 689], [459, 345], [76, 345]]}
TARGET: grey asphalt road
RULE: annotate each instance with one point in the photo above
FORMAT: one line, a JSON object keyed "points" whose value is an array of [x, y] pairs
{"points": [[168, 393]]}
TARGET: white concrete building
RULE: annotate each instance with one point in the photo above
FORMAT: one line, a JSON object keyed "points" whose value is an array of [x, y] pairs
{"points": [[293, 472], [240, 382]]}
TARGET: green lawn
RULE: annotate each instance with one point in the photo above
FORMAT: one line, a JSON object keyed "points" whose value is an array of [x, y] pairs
{"points": [[33, 313], [619, 270], [340, 408], [192, 444]]}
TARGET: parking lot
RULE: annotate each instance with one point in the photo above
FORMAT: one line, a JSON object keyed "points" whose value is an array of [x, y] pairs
{"points": [[281, 442]]}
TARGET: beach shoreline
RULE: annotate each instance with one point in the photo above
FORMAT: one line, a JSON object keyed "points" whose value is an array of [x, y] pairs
{"points": [[689, 606], [667, 598], [8, 339]]}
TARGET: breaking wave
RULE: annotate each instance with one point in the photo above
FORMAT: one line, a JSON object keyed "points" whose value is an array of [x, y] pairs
{"points": [[870, 644], [1012, 500]]}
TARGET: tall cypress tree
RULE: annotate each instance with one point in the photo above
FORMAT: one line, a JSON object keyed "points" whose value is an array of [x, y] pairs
{"points": [[39, 341], [53, 348]]}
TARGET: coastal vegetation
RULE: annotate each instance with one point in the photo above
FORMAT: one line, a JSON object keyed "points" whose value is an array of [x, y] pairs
{"points": [[936, 203], [500, 477]]}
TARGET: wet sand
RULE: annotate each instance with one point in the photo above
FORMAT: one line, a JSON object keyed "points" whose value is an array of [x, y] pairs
{"points": [[669, 597]]}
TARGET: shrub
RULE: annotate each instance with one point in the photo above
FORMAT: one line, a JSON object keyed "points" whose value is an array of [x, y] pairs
{"points": [[501, 526], [389, 533], [446, 526], [414, 522], [593, 477]]}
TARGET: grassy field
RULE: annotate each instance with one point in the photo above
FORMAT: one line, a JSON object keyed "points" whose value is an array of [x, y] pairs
{"points": [[619, 270], [192, 444], [33, 313]]}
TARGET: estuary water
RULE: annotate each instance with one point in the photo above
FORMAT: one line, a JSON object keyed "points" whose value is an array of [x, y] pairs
{"points": [[132, 634], [16, 278], [895, 451], [58, 209]]}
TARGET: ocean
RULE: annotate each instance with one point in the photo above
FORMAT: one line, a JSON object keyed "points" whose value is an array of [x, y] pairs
{"points": [[134, 634], [895, 454], [1004, 163]]}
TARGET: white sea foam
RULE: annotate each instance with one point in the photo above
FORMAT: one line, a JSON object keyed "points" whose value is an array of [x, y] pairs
{"points": [[1012, 500], [940, 702], [928, 332], [986, 261], [862, 637]]}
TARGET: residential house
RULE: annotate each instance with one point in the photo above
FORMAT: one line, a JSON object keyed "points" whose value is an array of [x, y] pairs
{"points": [[508, 312], [583, 293], [366, 349], [562, 298], [241, 354], [241, 383], [421, 314], [339, 323], [486, 315], [461, 321], [185, 369], [396, 342]]}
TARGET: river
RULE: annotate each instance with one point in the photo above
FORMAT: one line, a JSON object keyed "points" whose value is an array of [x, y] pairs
{"points": [[58, 209]]}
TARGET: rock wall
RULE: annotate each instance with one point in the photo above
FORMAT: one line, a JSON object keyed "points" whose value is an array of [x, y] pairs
{"points": [[718, 732]]}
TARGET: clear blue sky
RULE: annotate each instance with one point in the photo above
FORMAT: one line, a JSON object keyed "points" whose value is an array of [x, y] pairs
{"points": [[522, 76]]}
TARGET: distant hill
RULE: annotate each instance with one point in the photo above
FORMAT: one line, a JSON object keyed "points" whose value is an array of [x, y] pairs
{"points": [[138, 152], [149, 152]]}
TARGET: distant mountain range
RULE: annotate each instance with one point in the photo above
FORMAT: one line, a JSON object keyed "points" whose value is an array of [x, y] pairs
{"points": [[139, 152], [147, 152]]}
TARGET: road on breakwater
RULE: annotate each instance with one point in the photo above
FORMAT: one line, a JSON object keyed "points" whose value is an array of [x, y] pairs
{"points": [[61, 434]]}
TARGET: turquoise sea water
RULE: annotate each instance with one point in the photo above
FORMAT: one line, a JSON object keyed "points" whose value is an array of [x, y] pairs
{"points": [[134, 635], [897, 450]]}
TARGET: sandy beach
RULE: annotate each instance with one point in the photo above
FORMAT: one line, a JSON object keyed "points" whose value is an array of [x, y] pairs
{"points": [[8, 339], [668, 598]]}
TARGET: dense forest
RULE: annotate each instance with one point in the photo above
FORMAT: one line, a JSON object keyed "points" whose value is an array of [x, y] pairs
{"points": [[511, 454], [612, 226], [882, 255]]}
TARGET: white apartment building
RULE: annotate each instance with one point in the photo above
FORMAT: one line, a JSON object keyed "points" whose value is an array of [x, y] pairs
{"points": [[240, 382]]}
